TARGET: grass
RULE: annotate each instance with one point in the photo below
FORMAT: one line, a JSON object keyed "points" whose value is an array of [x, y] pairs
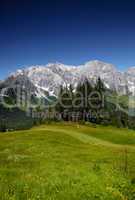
{"points": [[68, 161]]}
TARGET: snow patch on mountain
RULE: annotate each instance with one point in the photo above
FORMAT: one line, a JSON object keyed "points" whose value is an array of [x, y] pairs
{"points": [[49, 78]]}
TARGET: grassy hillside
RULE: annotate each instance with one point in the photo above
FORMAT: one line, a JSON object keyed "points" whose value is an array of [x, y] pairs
{"points": [[68, 161]]}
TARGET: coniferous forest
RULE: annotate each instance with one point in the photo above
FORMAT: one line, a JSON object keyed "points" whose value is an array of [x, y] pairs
{"points": [[86, 103]]}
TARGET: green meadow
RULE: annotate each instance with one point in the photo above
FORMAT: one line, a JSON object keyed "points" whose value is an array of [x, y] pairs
{"points": [[67, 161]]}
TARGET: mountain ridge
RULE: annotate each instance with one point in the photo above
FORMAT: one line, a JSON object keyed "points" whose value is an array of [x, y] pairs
{"points": [[51, 76]]}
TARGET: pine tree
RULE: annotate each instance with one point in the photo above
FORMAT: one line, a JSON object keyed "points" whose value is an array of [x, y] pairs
{"points": [[82, 95], [100, 86]]}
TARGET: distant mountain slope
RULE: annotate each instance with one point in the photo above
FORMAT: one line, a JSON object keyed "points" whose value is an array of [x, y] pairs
{"points": [[49, 77]]}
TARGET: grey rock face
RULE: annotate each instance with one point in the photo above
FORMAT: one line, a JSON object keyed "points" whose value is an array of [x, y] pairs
{"points": [[51, 76]]}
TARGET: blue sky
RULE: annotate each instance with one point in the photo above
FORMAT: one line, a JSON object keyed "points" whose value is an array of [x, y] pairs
{"points": [[71, 32]]}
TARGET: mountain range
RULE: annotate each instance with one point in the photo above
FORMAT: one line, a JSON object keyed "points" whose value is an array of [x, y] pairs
{"points": [[48, 78]]}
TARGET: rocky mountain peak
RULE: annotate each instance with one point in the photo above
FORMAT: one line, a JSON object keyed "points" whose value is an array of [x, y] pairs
{"points": [[51, 76]]}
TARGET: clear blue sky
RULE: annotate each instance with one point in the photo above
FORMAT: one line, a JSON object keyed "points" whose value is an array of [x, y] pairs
{"points": [[72, 32]]}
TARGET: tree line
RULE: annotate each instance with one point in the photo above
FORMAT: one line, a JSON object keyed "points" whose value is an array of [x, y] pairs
{"points": [[87, 102], [92, 102]]}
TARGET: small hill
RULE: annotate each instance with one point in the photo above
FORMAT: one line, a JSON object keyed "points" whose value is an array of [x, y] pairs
{"points": [[68, 161]]}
